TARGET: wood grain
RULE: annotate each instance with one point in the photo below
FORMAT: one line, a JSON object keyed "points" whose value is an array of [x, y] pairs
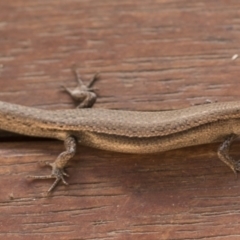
{"points": [[152, 55]]}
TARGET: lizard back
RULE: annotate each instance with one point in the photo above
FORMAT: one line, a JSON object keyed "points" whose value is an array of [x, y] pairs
{"points": [[119, 122]]}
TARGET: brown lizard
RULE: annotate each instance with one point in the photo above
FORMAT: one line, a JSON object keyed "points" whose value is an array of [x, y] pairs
{"points": [[124, 131]]}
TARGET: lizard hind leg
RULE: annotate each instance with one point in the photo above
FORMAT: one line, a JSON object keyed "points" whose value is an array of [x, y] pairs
{"points": [[223, 154], [83, 94], [60, 163]]}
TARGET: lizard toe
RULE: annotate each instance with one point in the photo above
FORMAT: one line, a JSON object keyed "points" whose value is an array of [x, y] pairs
{"points": [[57, 173]]}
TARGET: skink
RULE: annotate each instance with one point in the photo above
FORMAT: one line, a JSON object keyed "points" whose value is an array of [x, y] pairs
{"points": [[124, 131]]}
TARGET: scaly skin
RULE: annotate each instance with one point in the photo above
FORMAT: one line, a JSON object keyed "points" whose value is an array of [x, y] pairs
{"points": [[124, 131]]}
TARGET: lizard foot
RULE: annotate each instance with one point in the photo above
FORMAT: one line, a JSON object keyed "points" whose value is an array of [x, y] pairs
{"points": [[58, 166], [83, 94], [236, 167], [57, 173]]}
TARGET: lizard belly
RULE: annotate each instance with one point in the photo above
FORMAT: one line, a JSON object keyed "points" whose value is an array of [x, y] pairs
{"points": [[200, 135]]}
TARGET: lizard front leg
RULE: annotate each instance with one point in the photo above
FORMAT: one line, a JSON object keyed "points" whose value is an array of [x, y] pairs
{"points": [[84, 94], [60, 163]]}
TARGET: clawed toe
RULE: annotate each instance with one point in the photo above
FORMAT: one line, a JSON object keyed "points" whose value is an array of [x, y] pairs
{"points": [[82, 94], [57, 173], [236, 168]]}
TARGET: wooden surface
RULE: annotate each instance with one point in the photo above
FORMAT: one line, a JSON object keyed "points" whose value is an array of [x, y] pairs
{"points": [[152, 55]]}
